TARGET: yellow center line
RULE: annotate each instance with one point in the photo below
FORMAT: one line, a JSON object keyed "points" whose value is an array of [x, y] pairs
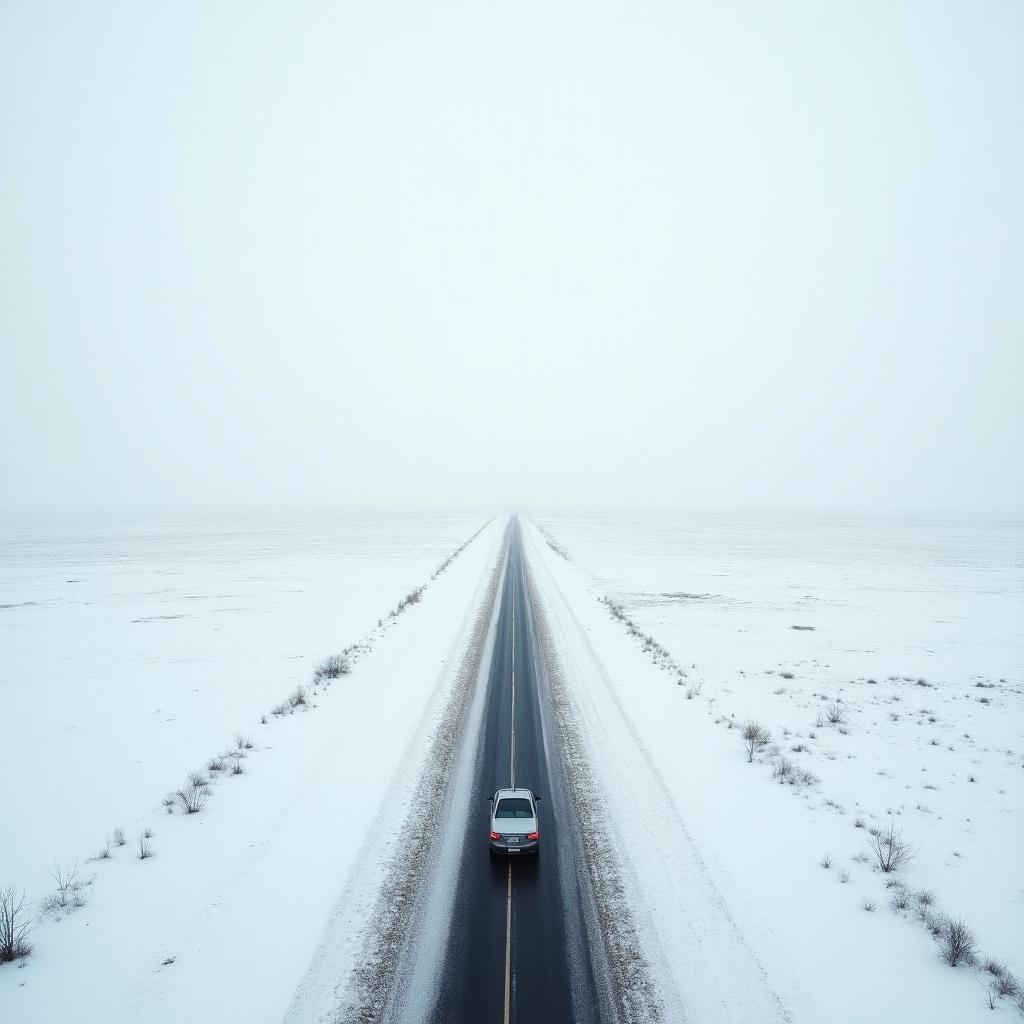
{"points": [[508, 946], [512, 755]]}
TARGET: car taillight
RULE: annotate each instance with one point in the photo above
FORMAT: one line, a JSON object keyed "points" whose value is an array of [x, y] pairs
{"points": [[533, 835], [495, 836]]}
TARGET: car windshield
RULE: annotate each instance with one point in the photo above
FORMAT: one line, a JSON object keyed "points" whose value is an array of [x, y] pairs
{"points": [[514, 807]]}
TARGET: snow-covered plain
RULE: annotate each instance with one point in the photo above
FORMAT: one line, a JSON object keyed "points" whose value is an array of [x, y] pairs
{"points": [[913, 629], [135, 650], [132, 651]]}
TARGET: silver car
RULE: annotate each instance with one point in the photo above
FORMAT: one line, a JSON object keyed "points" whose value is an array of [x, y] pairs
{"points": [[515, 827]]}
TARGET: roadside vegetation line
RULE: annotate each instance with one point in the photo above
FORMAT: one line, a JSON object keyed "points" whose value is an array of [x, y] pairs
{"points": [[375, 990], [889, 848], [508, 947], [623, 965]]}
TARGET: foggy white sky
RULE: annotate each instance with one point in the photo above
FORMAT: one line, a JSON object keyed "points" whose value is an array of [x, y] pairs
{"points": [[742, 254]]}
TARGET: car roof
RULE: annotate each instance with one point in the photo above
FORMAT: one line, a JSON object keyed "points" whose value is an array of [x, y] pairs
{"points": [[513, 792]]}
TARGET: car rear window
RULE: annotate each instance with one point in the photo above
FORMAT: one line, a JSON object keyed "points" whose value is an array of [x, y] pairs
{"points": [[514, 807]]}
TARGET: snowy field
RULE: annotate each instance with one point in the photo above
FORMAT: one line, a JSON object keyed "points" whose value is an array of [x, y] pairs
{"points": [[135, 650], [884, 659], [909, 636]]}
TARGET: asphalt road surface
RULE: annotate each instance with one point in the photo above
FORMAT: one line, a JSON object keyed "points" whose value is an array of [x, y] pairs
{"points": [[517, 948]]}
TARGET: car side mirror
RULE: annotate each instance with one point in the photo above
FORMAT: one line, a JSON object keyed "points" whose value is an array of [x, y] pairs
{"points": [[537, 798]]}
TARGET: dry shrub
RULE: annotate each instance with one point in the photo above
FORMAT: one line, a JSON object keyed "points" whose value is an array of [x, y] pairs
{"points": [[192, 796], [890, 848], [333, 667], [15, 924], [956, 941], [755, 738]]}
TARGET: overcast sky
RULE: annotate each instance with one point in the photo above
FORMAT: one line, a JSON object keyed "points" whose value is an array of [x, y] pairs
{"points": [[754, 255]]}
